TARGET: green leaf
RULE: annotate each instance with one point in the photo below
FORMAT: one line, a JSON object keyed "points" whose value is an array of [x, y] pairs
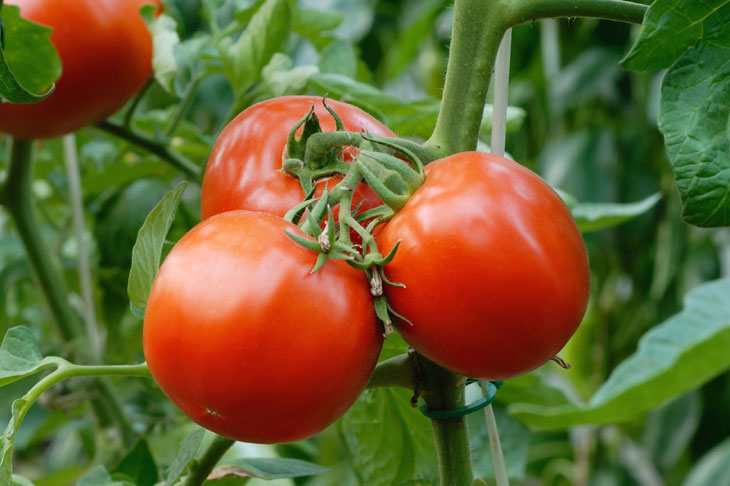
{"points": [[99, 476], [278, 78], [411, 37], [312, 24], [165, 37], [597, 216], [390, 442], [338, 57], [672, 26], [670, 428], [674, 357], [693, 117], [29, 63], [266, 34], [19, 356], [139, 465], [713, 469], [271, 468], [21, 481], [147, 251], [185, 454]]}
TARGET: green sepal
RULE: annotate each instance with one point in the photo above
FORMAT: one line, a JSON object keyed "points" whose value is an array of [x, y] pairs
{"points": [[339, 126], [313, 223], [330, 225], [305, 242], [388, 196], [397, 145], [321, 260], [392, 284], [389, 257], [381, 213], [295, 214], [412, 178], [342, 248], [381, 309], [297, 147]]}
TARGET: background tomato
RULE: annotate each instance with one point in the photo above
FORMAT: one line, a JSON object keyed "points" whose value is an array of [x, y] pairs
{"points": [[495, 269], [106, 51], [244, 169], [247, 342]]}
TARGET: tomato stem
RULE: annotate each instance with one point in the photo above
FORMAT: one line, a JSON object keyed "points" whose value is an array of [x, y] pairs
{"points": [[202, 468], [521, 11], [397, 371], [183, 164], [17, 197], [477, 31], [444, 390]]}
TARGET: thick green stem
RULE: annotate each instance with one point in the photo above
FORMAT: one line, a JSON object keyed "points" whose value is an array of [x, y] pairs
{"points": [[202, 468], [477, 31], [397, 371], [18, 199], [149, 144], [444, 390], [521, 11]]}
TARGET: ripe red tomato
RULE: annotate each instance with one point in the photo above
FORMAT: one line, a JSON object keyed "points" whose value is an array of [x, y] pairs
{"points": [[106, 51], [495, 270], [244, 169], [249, 344]]}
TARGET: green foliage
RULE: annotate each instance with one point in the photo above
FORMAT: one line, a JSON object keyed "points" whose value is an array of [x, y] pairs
{"points": [[674, 357], [29, 63], [147, 251]]}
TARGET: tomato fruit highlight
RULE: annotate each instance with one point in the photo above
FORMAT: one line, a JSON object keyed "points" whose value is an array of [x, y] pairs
{"points": [[245, 167], [106, 51], [495, 270], [249, 344]]}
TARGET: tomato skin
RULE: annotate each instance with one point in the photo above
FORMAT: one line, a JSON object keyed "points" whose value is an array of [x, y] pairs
{"points": [[249, 344], [244, 169], [106, 51], [496, 272]]}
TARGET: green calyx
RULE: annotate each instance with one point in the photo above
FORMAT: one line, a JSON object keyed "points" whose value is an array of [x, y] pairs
{"points": [[333, 223]]}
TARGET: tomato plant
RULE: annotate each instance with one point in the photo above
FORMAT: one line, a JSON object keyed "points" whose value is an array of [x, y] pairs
{"points": [[247, 342], [106, 51], [245, 167], [495, 270]]}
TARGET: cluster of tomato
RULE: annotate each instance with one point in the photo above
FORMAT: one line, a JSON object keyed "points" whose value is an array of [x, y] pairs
{"points": [[240, 334], [249, 343]]}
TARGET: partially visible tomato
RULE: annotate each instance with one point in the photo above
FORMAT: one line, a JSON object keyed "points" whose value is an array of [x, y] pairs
{"points": [[495, 270], [244, 170], [247, 342], [106, 51]]}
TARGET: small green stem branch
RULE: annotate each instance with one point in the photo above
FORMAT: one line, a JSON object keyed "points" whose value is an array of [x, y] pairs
{"points": [[320, 144], [521, 11], [203, 467], [151, 145], [444, 390], [397, 371], [18, 199], [67, 370], [182, 107]]}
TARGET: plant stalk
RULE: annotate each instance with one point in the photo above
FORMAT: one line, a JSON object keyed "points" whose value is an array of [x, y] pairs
{"points": [[521, 11], [203, 467], [149, 144], [477, 32], [18, 199], [443, 390]]}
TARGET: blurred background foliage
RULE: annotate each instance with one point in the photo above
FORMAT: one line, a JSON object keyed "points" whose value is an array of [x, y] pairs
{"points": [[585, 124]]}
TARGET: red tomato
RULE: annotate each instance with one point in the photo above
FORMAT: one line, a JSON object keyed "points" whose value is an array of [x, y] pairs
{"points": [[106, 51], [247, 342], [495, 270], [244, 169]]}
